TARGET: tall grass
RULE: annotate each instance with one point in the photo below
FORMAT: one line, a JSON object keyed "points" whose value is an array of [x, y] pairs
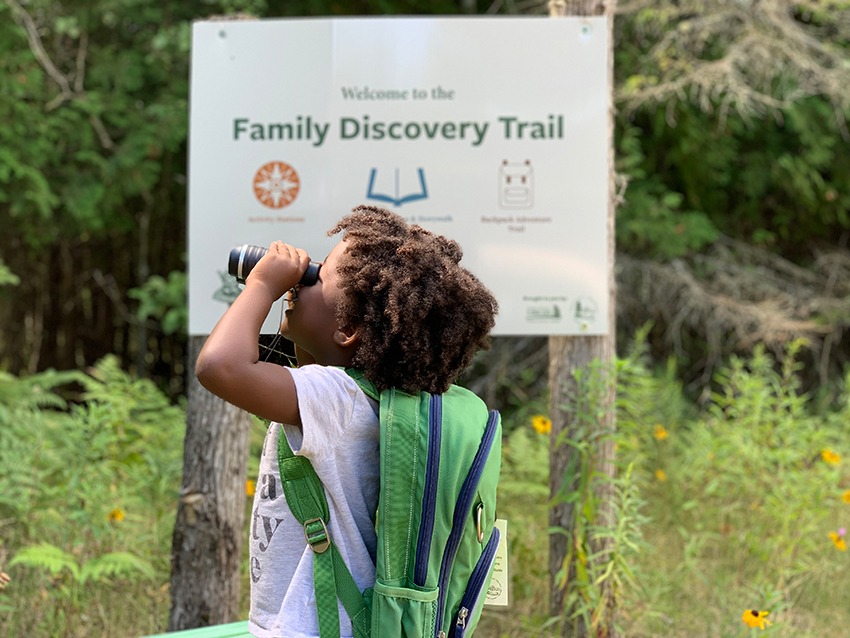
{"points": [[742, 498], [723, 507], [736, 501]]}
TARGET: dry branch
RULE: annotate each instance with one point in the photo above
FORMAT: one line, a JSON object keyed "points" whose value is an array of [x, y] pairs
{"points": [[724, 301], [735, 296]]}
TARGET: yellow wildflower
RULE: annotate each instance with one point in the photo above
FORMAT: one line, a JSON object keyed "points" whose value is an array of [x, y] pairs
{"points": [[250, 487], [837, 539], [846, 496], [755, 618], [660, 432], [661, 475], [116, 515], [828, 456], [542, 424]]}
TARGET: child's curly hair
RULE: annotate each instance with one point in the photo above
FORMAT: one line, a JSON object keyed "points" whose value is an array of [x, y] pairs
{"points": [[421, 315]]}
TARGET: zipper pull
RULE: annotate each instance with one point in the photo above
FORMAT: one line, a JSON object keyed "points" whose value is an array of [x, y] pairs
{"points": [[461, 617]]}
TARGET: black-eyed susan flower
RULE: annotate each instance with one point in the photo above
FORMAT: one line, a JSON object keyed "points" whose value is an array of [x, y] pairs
{"points": [[542, 424], [828, 456], [116, 515], [660, 433], [755, 618], [837, 539], [250, 487], [846, 496]]}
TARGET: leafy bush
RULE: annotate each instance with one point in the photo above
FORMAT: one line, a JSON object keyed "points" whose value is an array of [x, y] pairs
{"points": [[164, 300], [91, 493]]}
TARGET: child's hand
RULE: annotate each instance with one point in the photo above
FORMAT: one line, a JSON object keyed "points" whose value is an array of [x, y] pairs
{"points": [[4, 580], [280, 268]]}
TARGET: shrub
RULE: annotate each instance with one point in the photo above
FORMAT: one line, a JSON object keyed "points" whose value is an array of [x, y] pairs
{"points": [[92, 491]]}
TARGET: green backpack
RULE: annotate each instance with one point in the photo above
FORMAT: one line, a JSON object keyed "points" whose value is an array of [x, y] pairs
{"points": [[440, 461]]}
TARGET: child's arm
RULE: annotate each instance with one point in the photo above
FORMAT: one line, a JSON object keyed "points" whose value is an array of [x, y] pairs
{"points": [[228, 364]]}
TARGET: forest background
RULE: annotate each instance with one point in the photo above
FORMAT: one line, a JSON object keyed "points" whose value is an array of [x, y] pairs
{"points": [[733, 303]]}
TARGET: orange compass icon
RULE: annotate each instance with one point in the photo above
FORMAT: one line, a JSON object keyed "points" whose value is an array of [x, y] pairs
{"points": [[276, 184]]}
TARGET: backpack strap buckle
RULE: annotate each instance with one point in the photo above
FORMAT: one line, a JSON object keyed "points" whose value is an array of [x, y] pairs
{"points": [[316, 533]]}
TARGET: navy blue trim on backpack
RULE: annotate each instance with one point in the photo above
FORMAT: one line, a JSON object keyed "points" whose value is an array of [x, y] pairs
{"points": [[429, 497], [462, 508], [476, 585]]}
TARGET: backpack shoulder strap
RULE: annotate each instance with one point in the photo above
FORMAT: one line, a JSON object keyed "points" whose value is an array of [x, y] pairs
{"points": [[403, 449], [367, 386], [305, 496]]}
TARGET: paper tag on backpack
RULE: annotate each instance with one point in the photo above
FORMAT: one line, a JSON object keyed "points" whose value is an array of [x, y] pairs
{"points": [[497, 594]]}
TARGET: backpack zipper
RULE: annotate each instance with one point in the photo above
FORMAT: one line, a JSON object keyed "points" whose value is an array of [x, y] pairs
{"points": [[429, 496], [462, 506], [476, 584]]}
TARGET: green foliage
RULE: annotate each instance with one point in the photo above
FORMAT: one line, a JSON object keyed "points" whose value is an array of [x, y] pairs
{"points": [[7, 277], [718, 508], [772, 184], [164, 300], [695, 164], [524, 492], [606, 533], [360, 7], [27, 410], [651, 221], [87, 498], [104, 568], [751, 484], [742, 497], [94, 100], [523, 499]]}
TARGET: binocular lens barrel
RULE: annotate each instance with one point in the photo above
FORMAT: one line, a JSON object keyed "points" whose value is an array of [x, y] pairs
{"points": [[243, 259]]}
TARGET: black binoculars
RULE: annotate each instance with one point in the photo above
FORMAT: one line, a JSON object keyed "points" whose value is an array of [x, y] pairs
{"points": [[243, 259]]}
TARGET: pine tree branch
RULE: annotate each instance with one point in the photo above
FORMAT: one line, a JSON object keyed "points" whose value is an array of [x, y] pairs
{"points": [[754, 57]]}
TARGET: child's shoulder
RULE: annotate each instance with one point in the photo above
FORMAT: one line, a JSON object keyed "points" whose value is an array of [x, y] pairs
{"points": [[331, 378], [319, 371]]}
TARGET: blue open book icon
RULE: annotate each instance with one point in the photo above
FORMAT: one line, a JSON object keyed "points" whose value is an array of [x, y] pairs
{"points": [[390, 187]]}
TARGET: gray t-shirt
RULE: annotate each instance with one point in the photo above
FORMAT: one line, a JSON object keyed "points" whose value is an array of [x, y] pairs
{"points": [[340, 428]]}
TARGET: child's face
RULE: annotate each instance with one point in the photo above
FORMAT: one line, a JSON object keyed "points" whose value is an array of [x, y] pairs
{"points": [[310, 321]]}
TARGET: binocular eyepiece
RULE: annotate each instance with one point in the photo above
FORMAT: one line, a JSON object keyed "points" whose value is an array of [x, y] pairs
{"points": [[243, 259]]}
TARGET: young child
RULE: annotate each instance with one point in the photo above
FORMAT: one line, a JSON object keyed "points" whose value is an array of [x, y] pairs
{"points": [[391, 300]]}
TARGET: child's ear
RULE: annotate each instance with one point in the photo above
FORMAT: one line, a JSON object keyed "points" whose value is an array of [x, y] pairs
{"points": [[346, 337]]}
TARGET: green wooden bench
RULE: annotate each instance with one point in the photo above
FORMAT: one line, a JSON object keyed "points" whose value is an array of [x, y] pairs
{"points": [[231, 630]]}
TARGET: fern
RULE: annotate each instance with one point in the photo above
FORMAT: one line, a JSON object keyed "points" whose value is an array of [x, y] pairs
{"points": [[36, 391], [47, 557], [115, 565], [100, 569]]}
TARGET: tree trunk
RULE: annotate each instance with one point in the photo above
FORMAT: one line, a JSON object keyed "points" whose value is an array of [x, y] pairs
{"points": [[207, 541], [567, 355]]}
